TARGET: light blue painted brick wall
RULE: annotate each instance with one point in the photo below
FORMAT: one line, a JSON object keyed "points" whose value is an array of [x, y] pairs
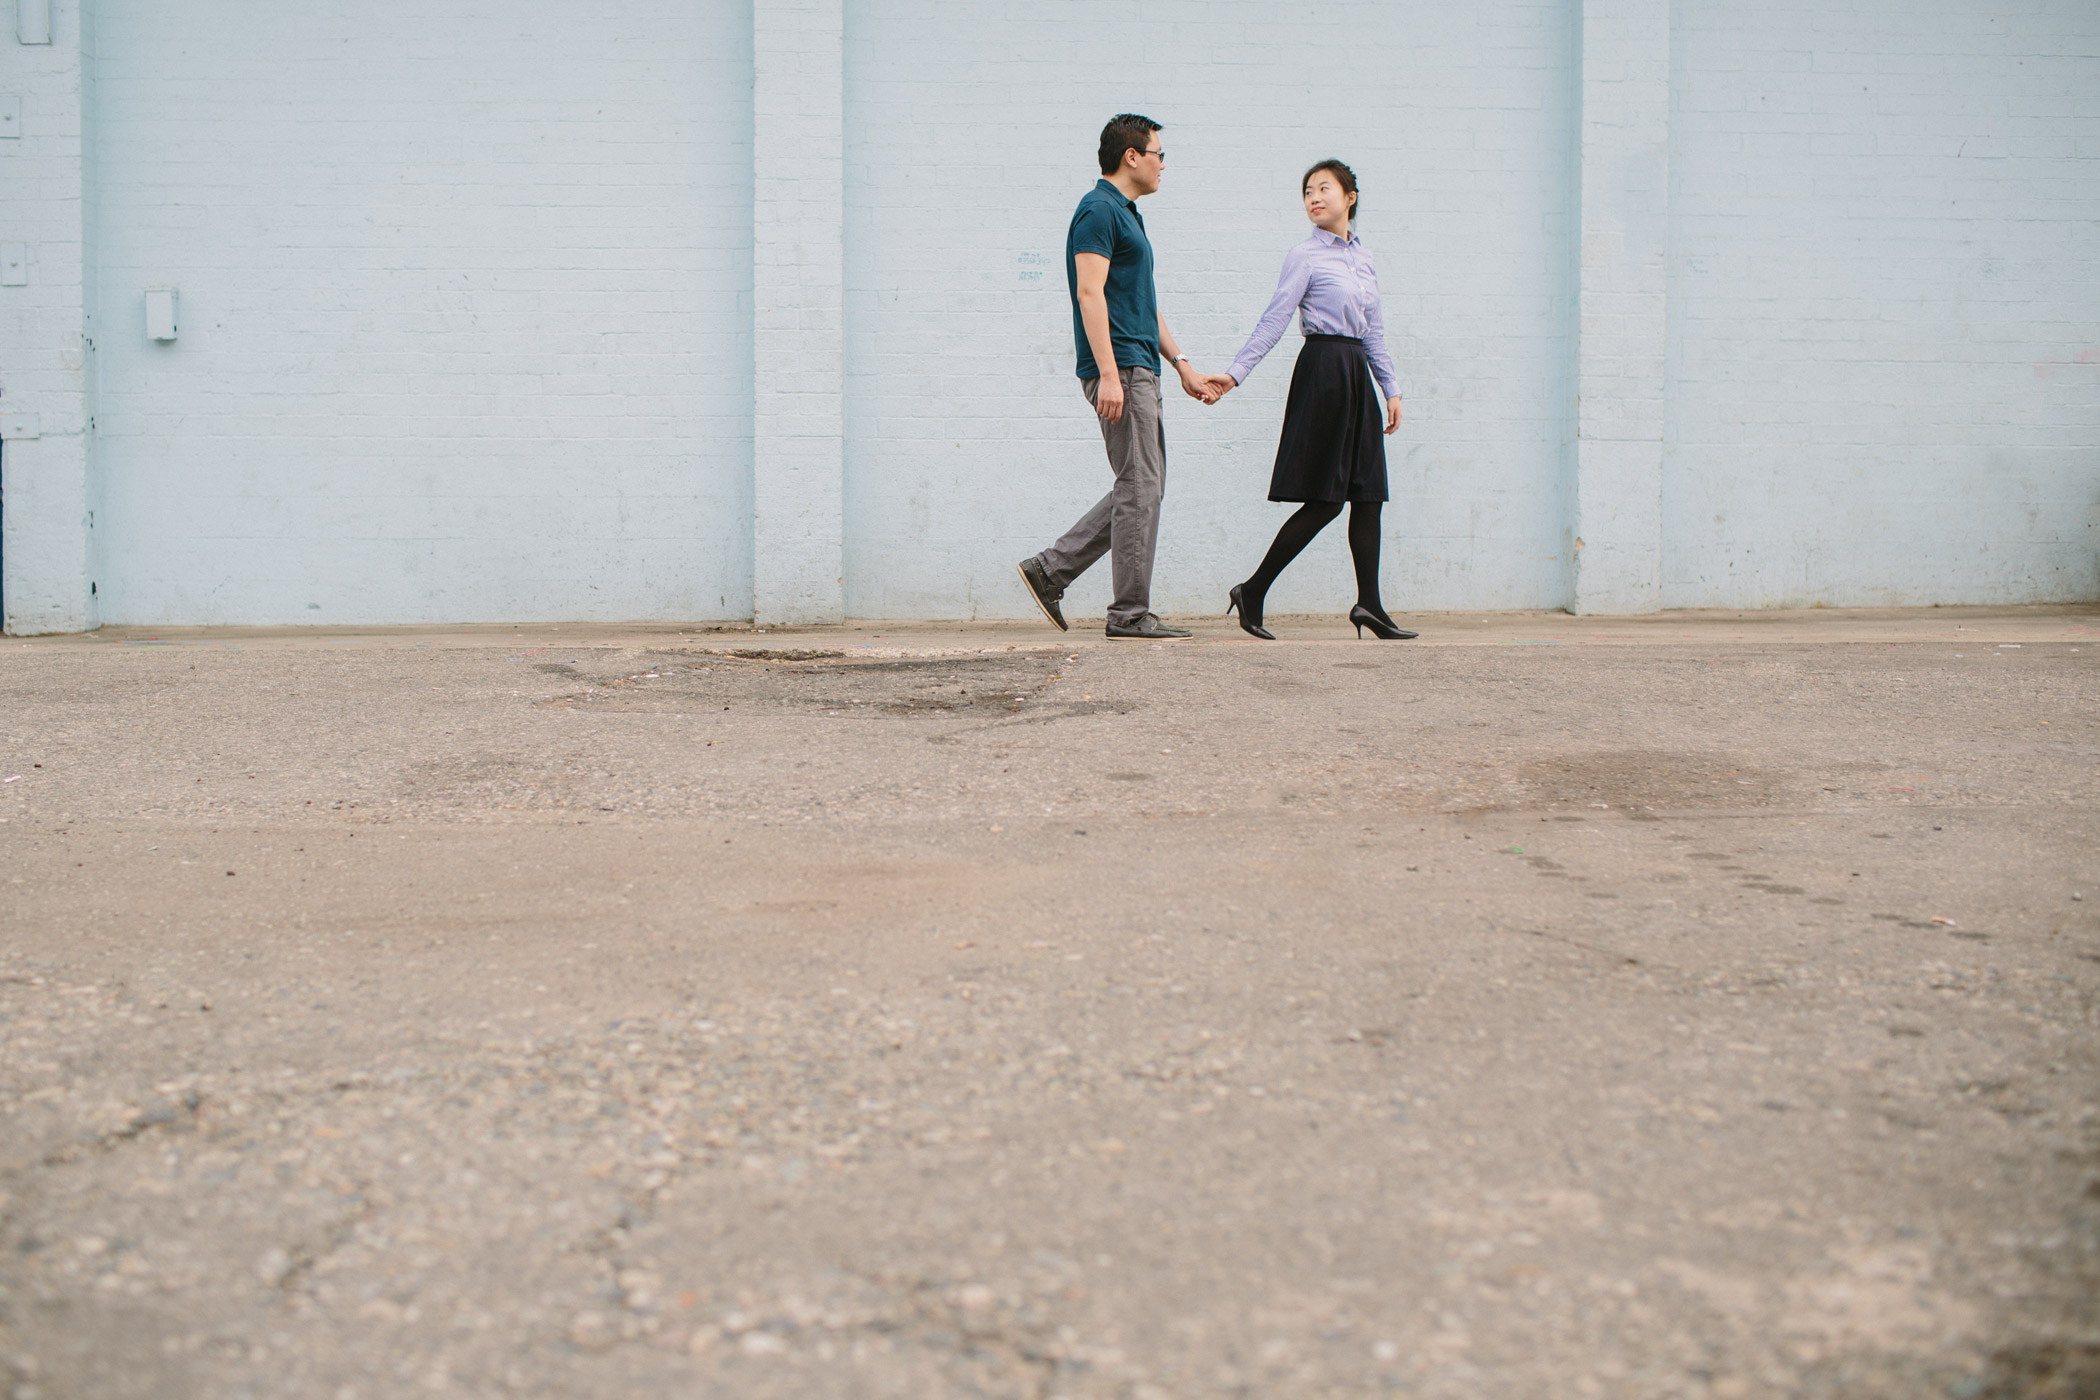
{"points": [[44, 576], [798, 269], [466, 296], [970, 135], [1885, 304], [464, 303]]}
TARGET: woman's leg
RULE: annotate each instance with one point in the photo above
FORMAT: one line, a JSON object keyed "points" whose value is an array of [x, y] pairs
{"points": [[1363, 549], [1297, 532]]}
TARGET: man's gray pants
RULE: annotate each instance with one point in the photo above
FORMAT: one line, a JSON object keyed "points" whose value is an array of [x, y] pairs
{"points": [[1124, 524]]}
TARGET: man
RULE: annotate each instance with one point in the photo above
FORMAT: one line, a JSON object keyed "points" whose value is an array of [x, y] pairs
{"points": [[1116, 324]]}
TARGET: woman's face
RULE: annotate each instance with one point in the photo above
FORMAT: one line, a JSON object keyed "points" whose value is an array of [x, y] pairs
{"points": [[1327, 204]]}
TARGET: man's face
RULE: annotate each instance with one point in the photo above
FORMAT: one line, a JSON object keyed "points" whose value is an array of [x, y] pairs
{"points": [[1147, 164]]}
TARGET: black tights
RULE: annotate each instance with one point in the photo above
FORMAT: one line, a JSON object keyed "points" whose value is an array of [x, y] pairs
{"points": [[1298, 532]]}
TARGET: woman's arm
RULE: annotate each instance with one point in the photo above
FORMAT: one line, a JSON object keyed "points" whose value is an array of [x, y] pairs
{"points": [[1374, 342], [1381, 360], [1290, 290]]}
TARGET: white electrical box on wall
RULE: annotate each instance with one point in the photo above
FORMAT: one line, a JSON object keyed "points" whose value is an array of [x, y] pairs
{"points": [[160, 313]]}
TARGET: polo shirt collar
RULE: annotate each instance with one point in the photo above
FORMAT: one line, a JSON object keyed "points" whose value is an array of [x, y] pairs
{"points": [[1104, 185]]}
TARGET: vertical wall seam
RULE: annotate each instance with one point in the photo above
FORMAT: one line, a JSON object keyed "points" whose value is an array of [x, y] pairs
{"points": [[798, 341], [44, 408], [1622, 290]]}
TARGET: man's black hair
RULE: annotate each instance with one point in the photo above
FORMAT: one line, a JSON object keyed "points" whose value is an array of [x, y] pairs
{"points": [[1124, 132]]}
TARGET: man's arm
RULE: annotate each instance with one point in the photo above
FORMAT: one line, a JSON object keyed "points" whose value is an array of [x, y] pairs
{"points": [[1091, 274], [1196, 386]]}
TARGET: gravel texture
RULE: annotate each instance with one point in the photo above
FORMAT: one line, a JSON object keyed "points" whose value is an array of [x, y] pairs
{"points": [[1549, 1008]]}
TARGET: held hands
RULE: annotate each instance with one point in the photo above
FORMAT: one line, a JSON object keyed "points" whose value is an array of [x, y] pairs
{"points": [[1212, 387], [1201, 387], [1108, 398]]}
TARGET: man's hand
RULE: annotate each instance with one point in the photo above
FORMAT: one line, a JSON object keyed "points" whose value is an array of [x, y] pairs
{"points": [[1220, 386], [1196, 386], [1108, 397], [1392, 416]]}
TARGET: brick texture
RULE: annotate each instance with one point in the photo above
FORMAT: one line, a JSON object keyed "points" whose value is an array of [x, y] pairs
{"points": [[465, 304], [1620, 379], [798, 404], [971, 132], [757, 307], [45, 504], [1885, 290]]}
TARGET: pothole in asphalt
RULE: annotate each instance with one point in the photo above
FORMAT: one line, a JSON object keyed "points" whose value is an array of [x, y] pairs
{"points": [[779, 653], [1643, 778], [823, 682]]}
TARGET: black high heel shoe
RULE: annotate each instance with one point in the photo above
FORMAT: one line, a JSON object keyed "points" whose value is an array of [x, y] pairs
{"points": [[1251, 625], [1381, 626]]}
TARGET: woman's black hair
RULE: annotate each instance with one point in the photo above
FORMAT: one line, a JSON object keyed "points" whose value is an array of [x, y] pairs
{"points": [[1343, 175]]}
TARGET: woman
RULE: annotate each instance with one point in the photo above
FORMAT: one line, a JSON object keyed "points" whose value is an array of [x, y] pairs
{"points": [[1330, 452]]}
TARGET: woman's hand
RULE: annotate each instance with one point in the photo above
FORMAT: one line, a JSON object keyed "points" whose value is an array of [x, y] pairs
{"points": [[1220, 386], [1196, 386], [1392, 416]]}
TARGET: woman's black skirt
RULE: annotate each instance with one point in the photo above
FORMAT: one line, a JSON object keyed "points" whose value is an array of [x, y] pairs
{"points": [[1333, 445]]}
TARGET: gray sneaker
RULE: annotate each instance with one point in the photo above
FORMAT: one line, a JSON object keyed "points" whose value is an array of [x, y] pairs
{"points": [[1148, 628], [1046, 597]]}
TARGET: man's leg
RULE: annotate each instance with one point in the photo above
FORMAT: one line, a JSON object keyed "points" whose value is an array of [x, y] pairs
{"points": [[1077, 548], [1088, 539], [1137, 450]]}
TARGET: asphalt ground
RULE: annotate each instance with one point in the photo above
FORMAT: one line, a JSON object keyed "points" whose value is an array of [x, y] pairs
{"points": [[1692, 1006]]}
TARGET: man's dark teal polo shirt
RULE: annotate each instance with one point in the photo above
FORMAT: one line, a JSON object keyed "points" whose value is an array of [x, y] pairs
{"points": [[1108, 224]]}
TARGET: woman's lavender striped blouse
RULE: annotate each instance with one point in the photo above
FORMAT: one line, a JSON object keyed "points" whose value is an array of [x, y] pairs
{"points": [[1333, 287]]}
